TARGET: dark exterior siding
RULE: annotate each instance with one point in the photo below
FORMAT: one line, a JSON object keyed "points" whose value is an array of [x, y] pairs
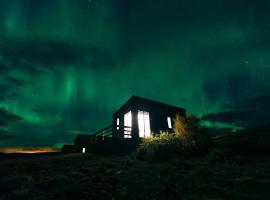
{"points": [[158, 113]]}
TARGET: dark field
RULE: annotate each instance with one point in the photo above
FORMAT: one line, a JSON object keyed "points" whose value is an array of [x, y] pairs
{"points": [[238, 167]]}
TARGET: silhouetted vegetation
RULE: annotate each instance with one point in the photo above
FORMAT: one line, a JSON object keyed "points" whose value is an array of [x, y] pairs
{"points": [[188, 139]]}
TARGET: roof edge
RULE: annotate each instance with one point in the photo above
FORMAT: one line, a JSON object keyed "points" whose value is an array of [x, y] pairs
{"points": [[143, 98]]}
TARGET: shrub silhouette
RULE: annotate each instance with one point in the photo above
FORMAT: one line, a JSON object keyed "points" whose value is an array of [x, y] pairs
{"points": [[159, 147], [180, 128], [188, 139], [193, 136]]}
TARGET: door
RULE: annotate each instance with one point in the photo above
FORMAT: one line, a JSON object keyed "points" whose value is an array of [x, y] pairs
{"points": [[144, 124]]}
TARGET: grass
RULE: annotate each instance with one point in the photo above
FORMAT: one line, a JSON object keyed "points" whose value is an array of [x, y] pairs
{"points": [[221, 174]]}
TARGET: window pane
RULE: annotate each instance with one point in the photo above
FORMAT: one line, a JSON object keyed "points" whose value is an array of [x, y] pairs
{"points": [[141, 123], [144, 124], [128, 119], [147, 130], [169, 122], [127, 124]]}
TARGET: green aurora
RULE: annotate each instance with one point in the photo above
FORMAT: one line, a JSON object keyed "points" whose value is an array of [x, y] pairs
{"points": [[67, 65]]}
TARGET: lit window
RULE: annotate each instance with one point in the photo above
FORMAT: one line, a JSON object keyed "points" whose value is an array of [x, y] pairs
{"points": [[117, 122], [169, 122], [127, 124], [83, 150], [127, 135], [144, 124]]}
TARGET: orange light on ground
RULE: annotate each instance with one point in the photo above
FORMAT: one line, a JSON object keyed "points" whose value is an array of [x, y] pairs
{"points": [[27, 150]]}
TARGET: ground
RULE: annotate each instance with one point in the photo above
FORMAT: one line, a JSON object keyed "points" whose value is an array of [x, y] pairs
{"points": [[235, 169]]}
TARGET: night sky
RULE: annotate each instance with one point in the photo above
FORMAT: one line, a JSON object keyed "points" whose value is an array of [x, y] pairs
{"points": [[67, 65]]}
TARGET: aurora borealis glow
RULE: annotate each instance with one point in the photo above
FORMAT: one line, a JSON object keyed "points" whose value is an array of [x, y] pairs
{"points": [[67, 65]]}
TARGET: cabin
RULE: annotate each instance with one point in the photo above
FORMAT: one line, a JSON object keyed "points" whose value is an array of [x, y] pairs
{"points": [[139, 117], [136, 119]]}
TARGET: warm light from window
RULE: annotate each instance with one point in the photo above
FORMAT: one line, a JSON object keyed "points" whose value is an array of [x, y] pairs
{"points": [[144, 124], [117, 122], [127, 124], [141, 124], [169, 122]]}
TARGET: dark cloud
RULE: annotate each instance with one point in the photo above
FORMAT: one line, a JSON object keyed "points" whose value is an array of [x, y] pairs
{"points": [[37, 56], [39, 52], [19, 82], [7, 92], [3, 69], [3, 93], [6, 135], [6, 118], [249, 113], [230, 116], [259, 102]]}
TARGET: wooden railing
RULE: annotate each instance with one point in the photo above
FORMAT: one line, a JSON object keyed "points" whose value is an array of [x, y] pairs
{"points": [[122, 131], [106, 132]]}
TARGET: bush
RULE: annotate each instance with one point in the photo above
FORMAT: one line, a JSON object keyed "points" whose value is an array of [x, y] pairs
{"points": [[159, 147], [194, 138], [188, 139]]}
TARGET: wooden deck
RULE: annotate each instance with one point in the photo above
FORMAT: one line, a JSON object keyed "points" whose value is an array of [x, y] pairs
{"points": [[103, 142]]}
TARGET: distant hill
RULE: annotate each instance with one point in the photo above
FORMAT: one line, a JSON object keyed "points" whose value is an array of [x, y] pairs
{"points": [[254, 141]]}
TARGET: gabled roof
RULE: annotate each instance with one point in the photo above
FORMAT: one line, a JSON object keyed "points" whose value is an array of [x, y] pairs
{"points": [[141, 99]]}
